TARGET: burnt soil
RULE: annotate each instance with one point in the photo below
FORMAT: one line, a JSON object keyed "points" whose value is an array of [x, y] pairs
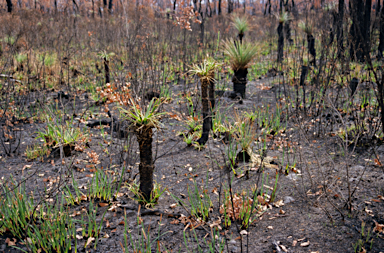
{"points": [[305, 219]]}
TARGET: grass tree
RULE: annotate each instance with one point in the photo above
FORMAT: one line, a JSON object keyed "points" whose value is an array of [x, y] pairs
{"points": [[283, 19], [143, 121], [306, 27], [206, 73], [240, 55], [241, 24], [106, 57]]}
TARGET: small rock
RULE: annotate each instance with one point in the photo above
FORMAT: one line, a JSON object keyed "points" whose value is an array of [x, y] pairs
{"points": [[292, 177], [232, 242], [232, 249], [288, 199]]}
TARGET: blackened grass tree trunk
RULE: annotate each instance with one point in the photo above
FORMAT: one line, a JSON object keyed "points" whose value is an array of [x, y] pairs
{"points": [[283, 19], [240, 56], [307, 29], [144, 136], [143, 121], [206, 73], [106, 58]]}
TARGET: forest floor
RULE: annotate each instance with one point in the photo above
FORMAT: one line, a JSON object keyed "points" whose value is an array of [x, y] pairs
{"points": [[302, 218]]}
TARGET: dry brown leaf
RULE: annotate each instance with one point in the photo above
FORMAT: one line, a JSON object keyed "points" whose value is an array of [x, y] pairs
{"points": [[294, 243], [119, 194], [378, 227], [304, 244], [279, 203], [89, 175], [363, 250], [175, 222], [103, 204], [283, 248], [9, 242], [173, 206], [270, 227], [90, 239], [107, 225], [261, 200], [83, 198], [121, 222], [79, 237], [27, 167]]}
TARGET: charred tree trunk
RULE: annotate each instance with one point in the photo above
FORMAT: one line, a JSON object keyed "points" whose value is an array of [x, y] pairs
{"points": [[280, 42], [339, 29], [146, 167], [287, 29], [106, 69], [357, 44], [219, 7], [311, 48], [240, 81], [367, 29], [381, 36], [9, 6], [207, 86], [202, 24], [230, 6], [110, 4]]}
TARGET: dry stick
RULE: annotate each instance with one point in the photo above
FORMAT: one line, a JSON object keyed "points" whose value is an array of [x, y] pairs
{"points": [[347, 158], [324, 186]]}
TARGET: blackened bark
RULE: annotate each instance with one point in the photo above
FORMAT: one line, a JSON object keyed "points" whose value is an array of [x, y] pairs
{"points": [[287, 29], [241, 36], [206, 87], [311, 47], [353, 85], [211, 94], [367, 29], [174, 6], [9, 6], [106, 69], [110, 4], [357, 50], [202, 28], [146, 167], [303, 76], [230, 6], [240, 81], [280, 42], [93, 9], [339, 29], [219, 7], [267, 9], [381, 36]]}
